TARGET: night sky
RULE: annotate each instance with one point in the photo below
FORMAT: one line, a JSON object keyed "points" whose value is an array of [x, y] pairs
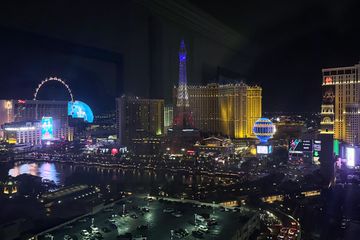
{"points": [[287, 44]]}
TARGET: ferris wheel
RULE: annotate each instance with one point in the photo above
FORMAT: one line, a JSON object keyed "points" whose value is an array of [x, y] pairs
{"points": [[56, 80]]}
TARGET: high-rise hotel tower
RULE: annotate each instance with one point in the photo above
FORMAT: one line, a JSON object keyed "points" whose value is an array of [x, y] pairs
{"points": [[345, 82], [228, 109]]}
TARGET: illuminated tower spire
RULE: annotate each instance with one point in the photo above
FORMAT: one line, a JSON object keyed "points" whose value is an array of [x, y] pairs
{"points": [[182, 94], [183, 117]]}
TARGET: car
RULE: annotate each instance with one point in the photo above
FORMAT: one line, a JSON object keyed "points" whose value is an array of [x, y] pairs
{"points": [[180, 233], [134, 216], [84, 232], [177, 214], [212, 222], [68, 237], [145, 209], [111, 220], [168, 210], [202, 228]]}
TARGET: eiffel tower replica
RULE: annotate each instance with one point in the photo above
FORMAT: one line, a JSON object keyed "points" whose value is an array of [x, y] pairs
{"points": [[183, 135]]}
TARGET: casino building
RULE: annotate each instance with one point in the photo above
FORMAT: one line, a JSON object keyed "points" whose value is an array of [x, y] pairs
{"points": [[23, 132], [345, 82], [22, 120], [24, 113], [229, 109]]}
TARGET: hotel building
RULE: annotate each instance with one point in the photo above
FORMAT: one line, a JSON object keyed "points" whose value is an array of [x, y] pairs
{"points": [[23, 111], [352, 126], [229, 109], [137, 117], [23, 133], [346, 84]]}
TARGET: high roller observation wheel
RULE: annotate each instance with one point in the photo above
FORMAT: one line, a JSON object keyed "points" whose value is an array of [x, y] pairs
{"points": [[57, 80]]}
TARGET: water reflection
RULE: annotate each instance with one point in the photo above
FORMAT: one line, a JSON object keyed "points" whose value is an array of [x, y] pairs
{"points": [[44, 170], [64, 174]]}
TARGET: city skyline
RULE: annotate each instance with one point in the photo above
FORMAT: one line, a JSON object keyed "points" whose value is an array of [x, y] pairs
{"points": [[165, 119]]}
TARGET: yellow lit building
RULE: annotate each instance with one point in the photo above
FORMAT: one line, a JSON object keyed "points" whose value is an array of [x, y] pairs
{"points": [[346, 83], [229, 109]]}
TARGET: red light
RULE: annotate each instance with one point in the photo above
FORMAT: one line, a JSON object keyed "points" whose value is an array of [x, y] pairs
{"points": [[114, 151], [21, 101], [190, 152]]}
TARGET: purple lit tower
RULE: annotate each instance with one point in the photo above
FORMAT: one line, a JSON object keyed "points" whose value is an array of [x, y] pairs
{"points": [[183, 116]]}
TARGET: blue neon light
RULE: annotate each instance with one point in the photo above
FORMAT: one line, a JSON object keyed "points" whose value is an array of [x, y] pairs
{"points": [[47, 128], [78, 109]]}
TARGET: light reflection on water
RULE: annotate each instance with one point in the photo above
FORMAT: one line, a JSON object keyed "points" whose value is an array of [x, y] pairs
{"points": [[45, 170], [59, 173]]}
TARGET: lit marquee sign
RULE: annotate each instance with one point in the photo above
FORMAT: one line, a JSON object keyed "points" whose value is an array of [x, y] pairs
{"points": [[263, 149], [78, 109], [300, 146], [350, 157], [47, 129]]}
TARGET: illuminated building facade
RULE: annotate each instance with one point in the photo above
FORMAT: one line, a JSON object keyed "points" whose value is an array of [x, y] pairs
{"points": [[229, 109], [214, 145], [346, 84], [138, 117], [352, 126], [146, 146], [327, 161], [168, 117], [6, 113], [22, 133], [34, 110], [30, 110]]}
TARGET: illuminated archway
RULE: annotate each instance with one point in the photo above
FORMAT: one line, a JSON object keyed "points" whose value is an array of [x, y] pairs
{"points": [[57, 80]]}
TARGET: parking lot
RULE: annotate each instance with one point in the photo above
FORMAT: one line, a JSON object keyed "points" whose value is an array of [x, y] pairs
{"points": [[155, 219]]}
